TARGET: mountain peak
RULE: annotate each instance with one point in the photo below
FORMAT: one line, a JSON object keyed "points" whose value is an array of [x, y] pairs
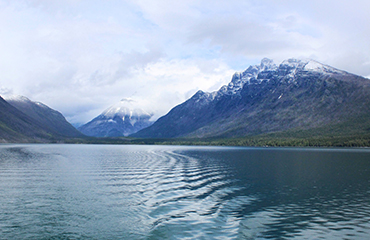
{"points": [[252, 73], [267, 64], [25, 100], [297, 94], [296, 64], [120, 119], [316, 66], [47, 118], [17, 98], [267, 68], [308, 65], [127, 107]]}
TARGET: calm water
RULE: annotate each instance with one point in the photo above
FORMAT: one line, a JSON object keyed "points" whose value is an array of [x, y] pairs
{"points": [[163, 192]]}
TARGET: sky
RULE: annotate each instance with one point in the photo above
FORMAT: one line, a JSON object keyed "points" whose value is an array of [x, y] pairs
{"points": [[81, 56]]}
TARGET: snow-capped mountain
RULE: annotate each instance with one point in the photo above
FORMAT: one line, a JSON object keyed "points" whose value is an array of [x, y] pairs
{"points": [[288, 70], [296, 94], [121, 119]]}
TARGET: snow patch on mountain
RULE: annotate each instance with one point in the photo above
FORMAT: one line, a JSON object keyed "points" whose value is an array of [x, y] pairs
{"points": [[125, 108], [23, 99], [267, 70], [121, 119], [315, 66]]}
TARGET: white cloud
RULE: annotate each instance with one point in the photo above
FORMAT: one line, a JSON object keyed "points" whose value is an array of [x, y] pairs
{"points": [[156, 87], [81, 56]]}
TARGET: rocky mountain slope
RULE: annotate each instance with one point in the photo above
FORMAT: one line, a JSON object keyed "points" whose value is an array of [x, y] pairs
{"points": [[297, 95], [16, 126], [121, 119], [51, 120]]}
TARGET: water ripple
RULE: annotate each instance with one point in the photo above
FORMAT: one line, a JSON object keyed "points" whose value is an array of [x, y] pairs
{"points": [[155, 192]]}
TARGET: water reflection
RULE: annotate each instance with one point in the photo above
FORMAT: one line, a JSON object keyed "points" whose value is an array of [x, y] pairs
{"points": [[156, 192]]}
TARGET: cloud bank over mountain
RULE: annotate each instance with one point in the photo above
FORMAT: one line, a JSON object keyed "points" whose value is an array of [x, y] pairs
{"points": [[80, 56]]}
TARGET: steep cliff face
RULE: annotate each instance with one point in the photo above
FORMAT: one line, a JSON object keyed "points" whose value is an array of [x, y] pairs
{"points": [[297, 94], [121, 119]]}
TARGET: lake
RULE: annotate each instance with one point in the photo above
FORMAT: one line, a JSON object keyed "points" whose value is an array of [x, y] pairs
{"points": [[180, 192]]}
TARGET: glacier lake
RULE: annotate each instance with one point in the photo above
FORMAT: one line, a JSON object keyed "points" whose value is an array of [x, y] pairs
{"points": [[51, 191]]}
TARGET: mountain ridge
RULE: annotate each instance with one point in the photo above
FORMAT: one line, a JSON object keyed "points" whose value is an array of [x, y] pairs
{"points": [[50, 119], [266, 98], [15, 126]]}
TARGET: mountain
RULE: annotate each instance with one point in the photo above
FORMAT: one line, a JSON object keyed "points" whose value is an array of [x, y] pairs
{"points": [[15, 126], [295, 96], [50, 120], [121, 119]]}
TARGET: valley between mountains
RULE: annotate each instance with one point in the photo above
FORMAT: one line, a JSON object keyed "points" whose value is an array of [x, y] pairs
{"points": [[295, 103]]}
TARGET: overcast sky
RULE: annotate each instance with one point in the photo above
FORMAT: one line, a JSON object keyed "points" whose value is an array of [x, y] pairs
{"points": [[81, 56]]}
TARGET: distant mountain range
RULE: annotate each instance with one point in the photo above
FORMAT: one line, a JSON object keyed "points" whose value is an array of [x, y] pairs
{"points": [[297, 98], [23, 120], [121, 119], [294, 96]]}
